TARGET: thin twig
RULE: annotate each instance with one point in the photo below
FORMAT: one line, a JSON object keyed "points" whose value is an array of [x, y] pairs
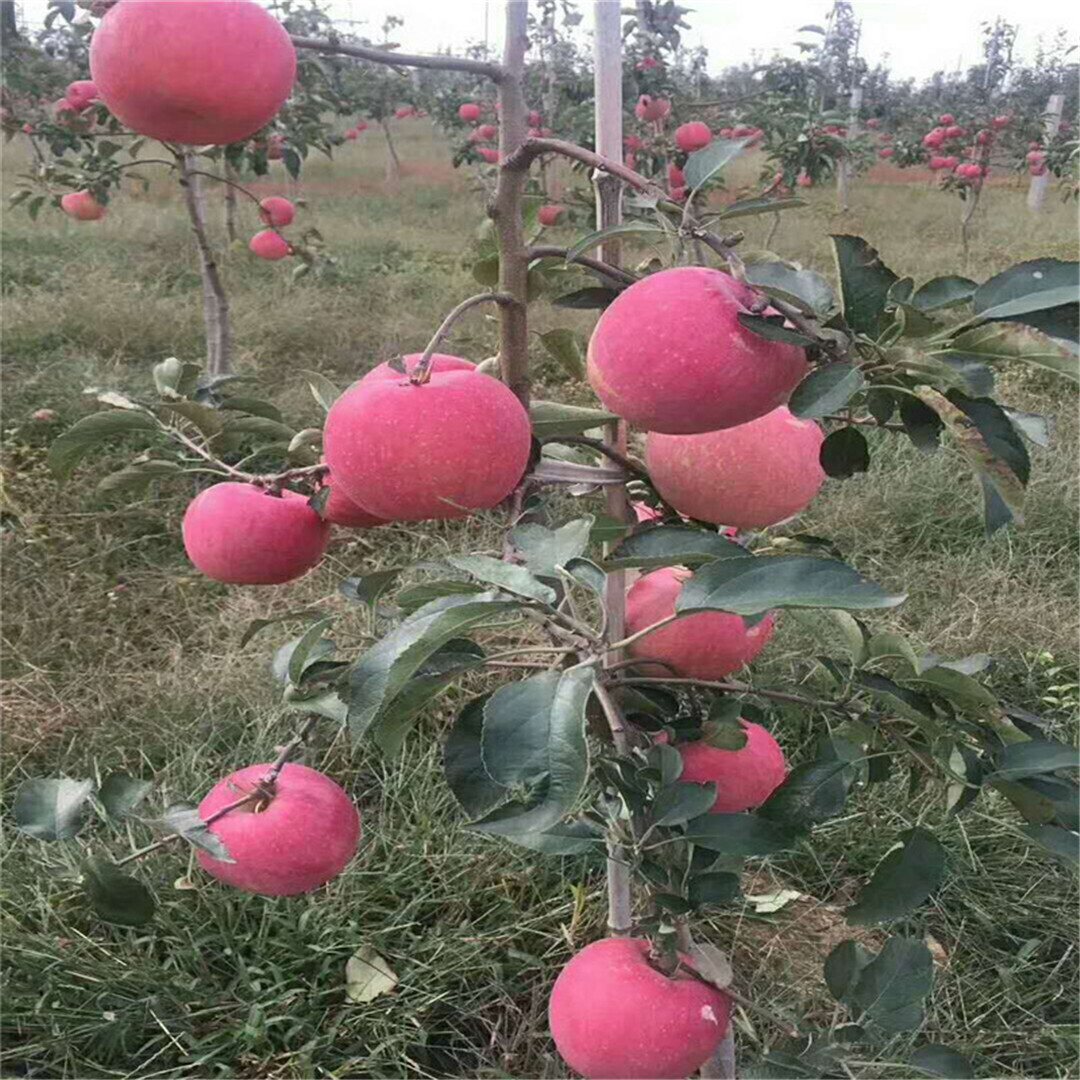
{"points": [[396, 59], [422, 372], [615, 273]]}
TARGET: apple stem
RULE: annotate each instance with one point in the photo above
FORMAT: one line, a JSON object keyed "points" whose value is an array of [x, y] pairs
{"points": [[288, 750], [422, 372]]}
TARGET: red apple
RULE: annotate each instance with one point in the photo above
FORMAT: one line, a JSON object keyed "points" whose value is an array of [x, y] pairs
{"points": [[669, 354], [954, 132], [1001, 121], [650, 108], [550, 214], [678, 193], [984, 137], [946, 119], [196, 72], [82, 206], [490, 155], [28, 129], [269, 245], [44, 415], [457, 443], [614, 1016], [633, 142], [440, 362], [692, 136], [535, 119], [932, 140], [744, 778], [949, 162], [804, 180], [873, 123], [675, 177], [469, 112], [704, 645], [936, 163], [361, 125], [275, 210], [487, 131], [1038, 169], [341, 510], [293, 843], [750, 476], [885, 152], [243, 535], [351, 134], [725, 133], [404, 111], [81, 93], [741, 131]]}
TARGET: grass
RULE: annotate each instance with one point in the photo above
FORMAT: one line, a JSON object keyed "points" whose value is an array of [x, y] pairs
{"points": [[118, 656]]}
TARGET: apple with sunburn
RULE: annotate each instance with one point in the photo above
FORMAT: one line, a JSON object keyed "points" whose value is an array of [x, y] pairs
{"points": [[440, 449], [240, 534], [704, 645], [751, 476], [275, 210], [200, 72], [613, 1016], [270, 245], [82, 206], [744, 778], [550, 214], [292, 842], [692, 136], [669, 354]]}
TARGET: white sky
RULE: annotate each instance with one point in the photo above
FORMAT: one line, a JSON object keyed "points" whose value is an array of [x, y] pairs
{"points": [[918, 36]]}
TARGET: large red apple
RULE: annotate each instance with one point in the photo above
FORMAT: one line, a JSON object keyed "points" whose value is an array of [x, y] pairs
{"points": [[457, 443], [744, 778], [275, 210], [669, 354], [82, 206], [242, 534], [614, 1016], [692, 136], [750, 476], [192, 71], [706, 645], [440, 362], [270, 245], [298, 840]]}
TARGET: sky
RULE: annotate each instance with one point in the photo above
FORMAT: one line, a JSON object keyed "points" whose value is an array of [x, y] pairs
{"points": [[917, 37]]}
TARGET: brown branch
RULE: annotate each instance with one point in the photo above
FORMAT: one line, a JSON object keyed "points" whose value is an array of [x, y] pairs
{"points": [[615, 273], [422, 371], [396, 59]]}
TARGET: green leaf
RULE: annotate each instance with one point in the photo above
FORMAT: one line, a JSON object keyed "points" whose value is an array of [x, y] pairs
{"points": [[368, 976], [601, 236], [752, 585], [938, 1060], [119, 794], [116, 897], [672, 545], [291, 160], [568, 348], [208, 422], [367, 588], [738, 834], [134, 479], [1035, 427], [381, 673], [567, 760], [772, 328], [922, 424], [667, 761], [417, 596], [679, 802], [812, 793], [256, 625], [903, 880], [1030, 286], [253, 407], [184, 820], [1059, 842], [806, 289], [715, 888], [745, 207], [258, 427], [892, 987], [864, 284], [51, 809], [508, 576], [1010, 341], [571, 838], [962, 690], [517, 730], [843, 966], [892, 647], [306, 649], [825, 390], [702, 165], [844, 453], [70, 448], [551, 419], [592, 297], [463, 764], [943, 292], [322, 389], [546, 549], [1034, 757], [587, 573], [897, 699]]}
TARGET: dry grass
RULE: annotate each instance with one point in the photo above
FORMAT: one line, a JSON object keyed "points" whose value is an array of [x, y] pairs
{"points": [[118, 656]]}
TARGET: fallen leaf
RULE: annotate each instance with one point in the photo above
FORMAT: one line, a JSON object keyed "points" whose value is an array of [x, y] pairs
{"points": [[368, 975], [765, 903]]}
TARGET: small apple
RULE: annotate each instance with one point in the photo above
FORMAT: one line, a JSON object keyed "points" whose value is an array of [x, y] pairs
{"points": [[269, 245], [744, 778], [692, 136], [275, 210], [550, 214], [489, 154], [82, 206], [469, 112]]}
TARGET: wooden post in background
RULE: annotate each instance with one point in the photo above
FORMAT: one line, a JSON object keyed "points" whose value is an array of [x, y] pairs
{"points": [[1051, 123]]}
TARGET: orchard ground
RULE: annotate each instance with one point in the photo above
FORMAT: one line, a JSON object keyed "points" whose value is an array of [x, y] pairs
{"points": [[119, 656]]}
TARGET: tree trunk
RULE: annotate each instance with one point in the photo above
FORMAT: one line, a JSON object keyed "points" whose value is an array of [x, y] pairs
{"points": [[230, 203], [9, 27], [215, 303], [393, 163], [1051, 123]]}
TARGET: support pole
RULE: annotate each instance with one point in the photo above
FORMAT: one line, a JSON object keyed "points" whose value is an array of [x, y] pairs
{"points": [[844, 173], [1051, 123]]}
